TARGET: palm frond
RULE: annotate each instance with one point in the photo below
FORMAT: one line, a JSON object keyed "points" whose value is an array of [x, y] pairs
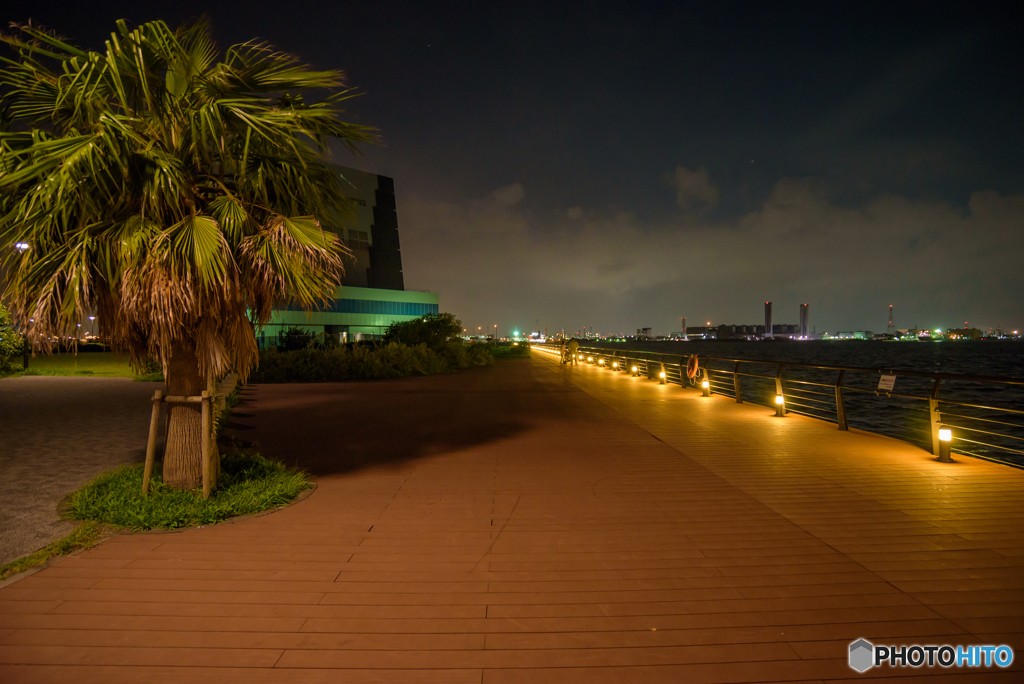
{"points": [[178, 193]]}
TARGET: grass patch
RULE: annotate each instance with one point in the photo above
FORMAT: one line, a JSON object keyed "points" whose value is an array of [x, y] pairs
{"points": [[90, 364], [250, 483], [84, 537]]}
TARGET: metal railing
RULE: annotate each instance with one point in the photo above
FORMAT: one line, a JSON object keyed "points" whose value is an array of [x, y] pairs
{"points": [[982, 416]]}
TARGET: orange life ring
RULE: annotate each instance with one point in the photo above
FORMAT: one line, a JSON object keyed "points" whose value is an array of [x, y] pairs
{"points": [[691, 367]]}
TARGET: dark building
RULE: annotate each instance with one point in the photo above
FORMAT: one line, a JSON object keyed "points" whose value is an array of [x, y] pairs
{"points": [[804, 318], [372, 295], [372, 232]]}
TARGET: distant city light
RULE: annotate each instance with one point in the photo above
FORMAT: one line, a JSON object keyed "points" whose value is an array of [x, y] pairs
{"points": [[21, 246]]}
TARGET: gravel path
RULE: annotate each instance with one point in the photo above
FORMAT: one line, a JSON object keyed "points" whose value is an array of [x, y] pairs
{"points": [[56, 433]]}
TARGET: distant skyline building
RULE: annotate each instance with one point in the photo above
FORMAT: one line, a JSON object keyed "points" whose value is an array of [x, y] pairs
{"points": [[767, 319], [891, 329], [804, 318], [684, 327]]}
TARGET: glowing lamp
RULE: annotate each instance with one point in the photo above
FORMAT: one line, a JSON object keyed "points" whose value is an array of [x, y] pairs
{"points": [[634, 369], [590, 359], [661, 374], [615, 364], [705, 384], [780, 405], [945, 439]]}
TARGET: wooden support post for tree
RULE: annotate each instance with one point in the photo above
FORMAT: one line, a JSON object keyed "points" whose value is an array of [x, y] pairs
{"points": [[206, 444], [154, 423]]}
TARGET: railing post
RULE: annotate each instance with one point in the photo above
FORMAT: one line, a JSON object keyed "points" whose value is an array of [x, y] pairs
{"points": [[780, 398], [736, 383], [206, 444], [840, 407], [935, 417], [154, 422]]}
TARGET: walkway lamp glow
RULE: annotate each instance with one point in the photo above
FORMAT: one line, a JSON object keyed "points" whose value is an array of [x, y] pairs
{"points": [[706, 387], [945, 442], [590, 359], [615, 365], [780, 405], [635, 371], [661, 375]]}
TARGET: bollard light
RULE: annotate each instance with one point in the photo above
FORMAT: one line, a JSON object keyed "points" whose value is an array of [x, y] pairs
{"points": [[590, 359], [615, 365], [634, 371], [662, 376], [706, 386], [780, 405], [945, 442]]}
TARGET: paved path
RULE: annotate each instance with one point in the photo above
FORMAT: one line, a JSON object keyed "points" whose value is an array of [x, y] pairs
{"points": [[527, 523], [57, 433]]}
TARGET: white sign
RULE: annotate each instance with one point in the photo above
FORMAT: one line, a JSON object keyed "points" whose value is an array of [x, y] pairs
{"points": [[886, 382]]}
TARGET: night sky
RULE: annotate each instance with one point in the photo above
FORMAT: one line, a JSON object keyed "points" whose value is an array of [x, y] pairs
{"points": [[619, 165]]}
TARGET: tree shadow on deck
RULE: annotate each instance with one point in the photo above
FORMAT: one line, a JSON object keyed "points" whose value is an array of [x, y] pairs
{"points": [[332, 428]]}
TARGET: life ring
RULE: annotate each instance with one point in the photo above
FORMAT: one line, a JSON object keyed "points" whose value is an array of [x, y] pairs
{"points": [[691, 367]]}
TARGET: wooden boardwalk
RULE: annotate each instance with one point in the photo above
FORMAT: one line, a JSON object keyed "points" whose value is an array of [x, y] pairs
{"points": [[532, 523]]}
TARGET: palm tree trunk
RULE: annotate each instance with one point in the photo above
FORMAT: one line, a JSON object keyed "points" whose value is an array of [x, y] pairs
{"points": [[183, 457]]}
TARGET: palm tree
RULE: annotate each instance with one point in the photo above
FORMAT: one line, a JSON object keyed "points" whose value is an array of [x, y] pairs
{"points": [[177, 193]]}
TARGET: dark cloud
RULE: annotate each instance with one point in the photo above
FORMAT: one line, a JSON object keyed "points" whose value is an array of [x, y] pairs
{"points": [[938, 263]]}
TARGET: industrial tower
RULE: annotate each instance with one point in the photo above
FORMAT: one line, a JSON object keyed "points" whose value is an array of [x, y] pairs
{"points": [[891, 330]]}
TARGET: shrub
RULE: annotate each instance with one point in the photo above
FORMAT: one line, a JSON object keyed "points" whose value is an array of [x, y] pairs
{"points": [[366, 362], [11, 344], [295, 338], [433, 330], [519, 350]]}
